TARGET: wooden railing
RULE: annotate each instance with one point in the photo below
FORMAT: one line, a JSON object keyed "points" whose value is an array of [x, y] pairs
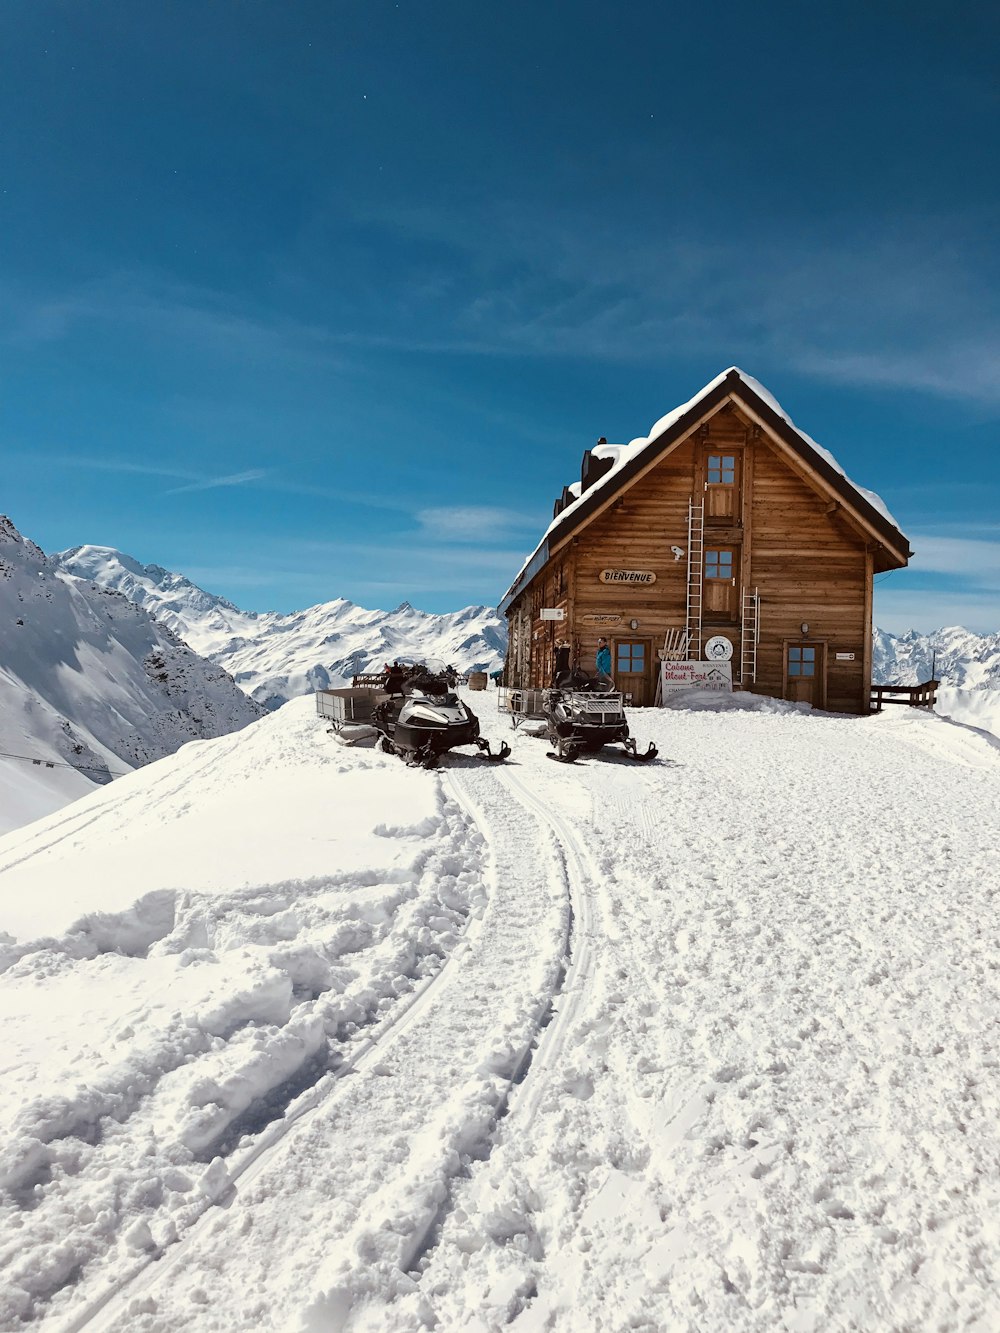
{"points": [[916, 696]]}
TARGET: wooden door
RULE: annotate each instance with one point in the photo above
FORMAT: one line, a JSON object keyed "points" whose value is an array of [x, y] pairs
{"points": [[632, 663], [805, 673], [722, 486], [721, 600]]}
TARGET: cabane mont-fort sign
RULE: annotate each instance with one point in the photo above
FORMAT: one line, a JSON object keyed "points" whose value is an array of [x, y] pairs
{"points": [[627, 576]]}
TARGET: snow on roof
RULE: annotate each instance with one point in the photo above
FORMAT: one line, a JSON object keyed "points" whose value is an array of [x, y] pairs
{"points": [[872, 497], [621, 454]]}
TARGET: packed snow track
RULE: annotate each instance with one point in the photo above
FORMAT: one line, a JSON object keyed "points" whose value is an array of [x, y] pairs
{"points": [[296, 1037]]}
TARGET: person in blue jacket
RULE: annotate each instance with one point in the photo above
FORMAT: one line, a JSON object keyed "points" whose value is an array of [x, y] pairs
{"points": [[603, 658]]}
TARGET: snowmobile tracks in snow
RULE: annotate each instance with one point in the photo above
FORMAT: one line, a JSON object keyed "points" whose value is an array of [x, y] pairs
{"points": [[242, 1167], [581, 958], [556, 1012], [432, 1084]]}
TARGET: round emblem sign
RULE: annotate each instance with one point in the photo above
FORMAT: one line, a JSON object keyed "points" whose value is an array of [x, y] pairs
{"points": [[718, 649]]}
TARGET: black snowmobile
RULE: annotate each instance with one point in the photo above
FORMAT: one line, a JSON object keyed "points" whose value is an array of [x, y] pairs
{"points": [[584, 713], [423, 716]]}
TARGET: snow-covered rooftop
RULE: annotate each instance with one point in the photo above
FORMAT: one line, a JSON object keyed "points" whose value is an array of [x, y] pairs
{"points": [[623, 454]]}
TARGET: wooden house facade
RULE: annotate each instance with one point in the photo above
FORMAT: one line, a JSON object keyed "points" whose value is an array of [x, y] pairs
{"points": [[728, 530]]}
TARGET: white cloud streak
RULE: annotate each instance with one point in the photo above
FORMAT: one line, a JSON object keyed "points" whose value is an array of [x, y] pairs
{"points": [[478, 523], [212, 483], [900, 609], [906, 310], [975, 561]]}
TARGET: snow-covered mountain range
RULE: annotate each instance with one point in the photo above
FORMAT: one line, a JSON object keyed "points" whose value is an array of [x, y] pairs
{"points": [[276, 657], [954, 656], [89, 680]]}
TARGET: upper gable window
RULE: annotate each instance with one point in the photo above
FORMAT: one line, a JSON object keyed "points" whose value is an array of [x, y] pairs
{"points": [[721, 469]]}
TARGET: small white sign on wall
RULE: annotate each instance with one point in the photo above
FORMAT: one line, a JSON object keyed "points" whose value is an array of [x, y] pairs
{"points": [[553, 613], [676, 677], [718, 649]]}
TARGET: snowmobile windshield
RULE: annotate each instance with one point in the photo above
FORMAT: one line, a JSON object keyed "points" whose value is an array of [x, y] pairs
{"points": [[433, 686], [425, 666], [602, 684], [577, 679]]}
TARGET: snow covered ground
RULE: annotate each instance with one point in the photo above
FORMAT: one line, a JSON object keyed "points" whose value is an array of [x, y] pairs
{"points": [[295, 1037]]}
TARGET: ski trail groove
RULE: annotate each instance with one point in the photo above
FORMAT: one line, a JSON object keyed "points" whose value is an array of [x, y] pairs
{"points": [[491, 995], [581, 966], [424, 1242], [101, 1310]]}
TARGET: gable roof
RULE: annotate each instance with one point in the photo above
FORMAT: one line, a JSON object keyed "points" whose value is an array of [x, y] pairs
{"points": [[631, 460]]}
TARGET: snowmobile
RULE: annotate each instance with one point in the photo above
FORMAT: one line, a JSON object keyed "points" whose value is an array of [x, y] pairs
{"points": [[423, 717], [584, 713]]}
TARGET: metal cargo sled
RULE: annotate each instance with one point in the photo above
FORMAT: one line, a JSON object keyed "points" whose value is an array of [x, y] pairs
{"points": [[349, 711]]}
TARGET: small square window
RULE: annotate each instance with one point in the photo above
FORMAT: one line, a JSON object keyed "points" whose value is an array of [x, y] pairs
{"points": [[718, 564], [801, 660], [631, 658], [721, 469]]}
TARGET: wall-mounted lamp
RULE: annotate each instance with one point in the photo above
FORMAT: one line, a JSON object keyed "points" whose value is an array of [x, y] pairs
{"points": [[804, 628], [633, 624]]}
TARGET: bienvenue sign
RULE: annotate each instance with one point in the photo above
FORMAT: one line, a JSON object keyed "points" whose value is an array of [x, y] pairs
{"points": [[676, 677], [630, 576]]}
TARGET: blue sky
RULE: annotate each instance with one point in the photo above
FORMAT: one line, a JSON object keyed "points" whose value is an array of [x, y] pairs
{"points": [[318, 299]]}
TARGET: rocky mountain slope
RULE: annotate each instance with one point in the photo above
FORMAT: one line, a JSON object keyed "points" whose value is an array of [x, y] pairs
{"points": [[275, 657], [90, 681]]}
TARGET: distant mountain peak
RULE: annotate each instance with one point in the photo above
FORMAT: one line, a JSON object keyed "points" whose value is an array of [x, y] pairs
{"points": [[275, 657], [13, 540], [90, 680], [955, 656]]}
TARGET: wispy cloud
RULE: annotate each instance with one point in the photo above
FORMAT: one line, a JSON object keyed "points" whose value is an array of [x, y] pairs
{"points": [[873, 307], [975, 561], [898, 609], [212, 483], [191, 481], [113, 465], [416, 556], [478, 523], [950, 581], [157, 309], [877, 307]]}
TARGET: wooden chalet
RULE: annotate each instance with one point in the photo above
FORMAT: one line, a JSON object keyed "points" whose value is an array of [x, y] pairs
{"points": [[728, 535]]}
